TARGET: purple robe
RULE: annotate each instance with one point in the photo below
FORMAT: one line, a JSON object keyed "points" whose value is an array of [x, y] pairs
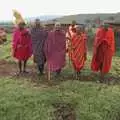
{"points": [[38, 39], [55, 50]]}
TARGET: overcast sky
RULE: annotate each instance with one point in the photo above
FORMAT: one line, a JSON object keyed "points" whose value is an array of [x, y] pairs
{"points": [[30, 8]]}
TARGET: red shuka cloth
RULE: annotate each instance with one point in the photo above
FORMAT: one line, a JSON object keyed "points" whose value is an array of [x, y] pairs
{"points": [[22, 45], [78, 51], [103, 50]]}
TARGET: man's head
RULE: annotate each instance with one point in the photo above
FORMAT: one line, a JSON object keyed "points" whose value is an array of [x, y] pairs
{"points": [[78, 28], [21, 25], [105, 26], [37, 22], [57, 26]]}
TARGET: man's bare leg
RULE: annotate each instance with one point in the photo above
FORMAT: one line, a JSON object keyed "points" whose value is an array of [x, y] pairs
{"points": [[78, 74], [58, 72], [24, 69], [41, 69], [20, 66], [102, 75]]}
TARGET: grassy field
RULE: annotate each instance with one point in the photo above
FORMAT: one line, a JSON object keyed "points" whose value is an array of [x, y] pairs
{"points": [[31, 98]]}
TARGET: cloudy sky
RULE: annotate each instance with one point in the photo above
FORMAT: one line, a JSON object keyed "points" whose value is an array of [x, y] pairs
{"points": [[56, 7]]}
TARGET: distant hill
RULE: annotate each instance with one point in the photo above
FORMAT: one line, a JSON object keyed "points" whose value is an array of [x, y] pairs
{"points": [[44, 17], [82, 18]]}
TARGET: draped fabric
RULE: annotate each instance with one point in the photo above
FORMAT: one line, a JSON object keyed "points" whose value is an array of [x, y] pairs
{"points": [[22, 46], [55, 49], [78, 51], [38, 39], [104, 48]]}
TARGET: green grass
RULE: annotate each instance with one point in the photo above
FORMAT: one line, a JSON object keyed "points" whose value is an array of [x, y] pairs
{"points": [[5, 49], [118, 52], [22, 99]]}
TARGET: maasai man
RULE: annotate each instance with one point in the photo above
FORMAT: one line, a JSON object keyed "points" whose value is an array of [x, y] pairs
{"points": [[78, 49], [55, 49], [22, 45], [38, 39], [103, 51]]}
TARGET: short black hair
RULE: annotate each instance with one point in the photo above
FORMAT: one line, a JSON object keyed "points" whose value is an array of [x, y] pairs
{"points": [[37, 19]]}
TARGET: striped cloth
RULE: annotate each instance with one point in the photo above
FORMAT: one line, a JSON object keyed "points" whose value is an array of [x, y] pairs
{"points": [[78, 51]]}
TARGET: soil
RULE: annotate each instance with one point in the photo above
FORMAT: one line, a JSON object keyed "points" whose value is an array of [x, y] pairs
{"points": [[64, 111], [8, 69]]}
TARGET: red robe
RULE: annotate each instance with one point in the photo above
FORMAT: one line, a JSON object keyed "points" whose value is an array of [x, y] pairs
{"points": [[22, 45], [78, 51], [103, 50]]}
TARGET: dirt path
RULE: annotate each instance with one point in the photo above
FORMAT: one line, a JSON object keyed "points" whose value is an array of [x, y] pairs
{"points": [[8, 69]]}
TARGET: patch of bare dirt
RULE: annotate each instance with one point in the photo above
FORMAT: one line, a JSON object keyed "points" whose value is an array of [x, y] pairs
{"points": [[9, 69], [64, 111], [6, 69]]}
